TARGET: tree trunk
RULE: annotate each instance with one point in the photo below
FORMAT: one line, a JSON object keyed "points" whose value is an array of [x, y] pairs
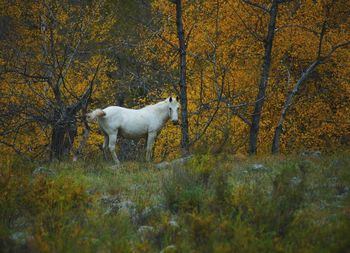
{"points": [[64, 123], [183, 87], [63, 134], [287, 104], [254, 129]]}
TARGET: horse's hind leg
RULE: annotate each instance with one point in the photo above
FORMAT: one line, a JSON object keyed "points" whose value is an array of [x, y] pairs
{"points": [[105, 146], [111, 146]]}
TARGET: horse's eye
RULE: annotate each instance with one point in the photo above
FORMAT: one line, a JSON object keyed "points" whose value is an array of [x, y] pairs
{"points": [[169, 109]]}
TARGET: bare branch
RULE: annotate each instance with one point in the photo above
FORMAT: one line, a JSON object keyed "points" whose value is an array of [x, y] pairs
{"points": [[341, 45], [284, 1], [84, 99], [17, 150], [189, 34], [256, 5], [168, 42], [252, 32], [212, 116], [322, 33], [305, 28]]}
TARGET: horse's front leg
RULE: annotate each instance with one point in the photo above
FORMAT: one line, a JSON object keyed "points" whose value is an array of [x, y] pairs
{"points": [[150, 142], [111, 146]]}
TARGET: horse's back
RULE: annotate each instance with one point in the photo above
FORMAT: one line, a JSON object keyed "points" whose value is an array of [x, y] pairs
{"points": [[117, 109], [130, 122], [112, 110]]}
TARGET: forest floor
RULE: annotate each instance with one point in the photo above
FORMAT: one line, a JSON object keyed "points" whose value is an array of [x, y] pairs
{"points": [[208, 204]]}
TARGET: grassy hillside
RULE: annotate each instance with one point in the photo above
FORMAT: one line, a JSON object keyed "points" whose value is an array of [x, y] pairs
{"points": [[210, 204]]}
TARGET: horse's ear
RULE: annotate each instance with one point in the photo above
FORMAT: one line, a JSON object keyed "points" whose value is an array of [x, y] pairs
{"points": [[170, 99], [177, 98]]}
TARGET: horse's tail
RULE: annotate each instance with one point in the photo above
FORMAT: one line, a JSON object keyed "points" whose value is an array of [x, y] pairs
{"points": [[98, 113]]}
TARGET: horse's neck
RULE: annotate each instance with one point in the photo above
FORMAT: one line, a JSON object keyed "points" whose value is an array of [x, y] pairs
{"points": [[161, 110]]}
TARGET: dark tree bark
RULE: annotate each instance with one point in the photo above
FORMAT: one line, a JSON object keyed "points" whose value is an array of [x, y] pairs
{"points": [[259, 102], [64, 124], [183, 86], [63, 134]]}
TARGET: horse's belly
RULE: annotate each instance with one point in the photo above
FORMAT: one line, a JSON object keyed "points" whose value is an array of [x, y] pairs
{"points": [[133, 133]]}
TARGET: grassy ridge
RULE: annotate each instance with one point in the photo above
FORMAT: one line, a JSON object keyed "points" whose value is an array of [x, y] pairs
{"points": [[222, 204]]}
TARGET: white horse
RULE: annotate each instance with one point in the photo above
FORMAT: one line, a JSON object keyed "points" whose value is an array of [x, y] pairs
{"points": [[134, 124]]}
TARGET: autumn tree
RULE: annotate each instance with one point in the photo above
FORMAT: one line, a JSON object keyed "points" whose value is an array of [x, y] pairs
{"points": [[226, 41], [49, 67], [329, 10], [257, 72], [272, 12], [182, 82]]}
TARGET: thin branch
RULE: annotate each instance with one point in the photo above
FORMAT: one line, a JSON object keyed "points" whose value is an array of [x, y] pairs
{"points": [[341, 45], [167, 42], [256, 5], [212, 116], [84, 99], [17, 150], [284, 1], [297, 26], [252, 32], [322, 33], [189, 35]]}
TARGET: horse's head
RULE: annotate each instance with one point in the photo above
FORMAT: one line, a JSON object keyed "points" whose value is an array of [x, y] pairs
{"points": [[173, 109]]}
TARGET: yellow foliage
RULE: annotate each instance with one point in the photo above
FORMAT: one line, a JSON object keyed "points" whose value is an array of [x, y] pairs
{"points": [[223, 49], [224, 56]]}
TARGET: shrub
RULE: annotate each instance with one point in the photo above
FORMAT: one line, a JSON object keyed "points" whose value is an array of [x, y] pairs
{"points": [[209, 205], [182, 190]]}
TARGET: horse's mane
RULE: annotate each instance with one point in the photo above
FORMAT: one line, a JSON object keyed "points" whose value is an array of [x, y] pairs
{"points": [[154, 105]]}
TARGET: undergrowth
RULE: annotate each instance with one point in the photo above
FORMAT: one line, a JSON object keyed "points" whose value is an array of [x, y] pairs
{"points": [[210, 204]]}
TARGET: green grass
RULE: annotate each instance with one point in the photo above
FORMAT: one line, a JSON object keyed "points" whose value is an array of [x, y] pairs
{"points": [[211, 204]]}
